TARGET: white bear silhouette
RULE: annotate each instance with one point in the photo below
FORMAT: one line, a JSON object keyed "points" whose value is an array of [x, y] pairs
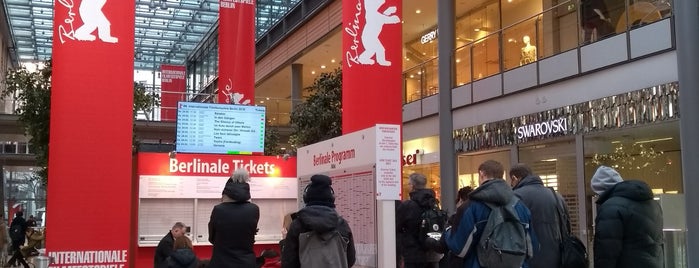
{"points": [[94, 19], [238, 97], [375, 21]]}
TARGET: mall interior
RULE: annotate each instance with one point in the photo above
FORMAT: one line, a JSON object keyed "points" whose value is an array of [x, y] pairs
{"points": [[540, 82]]}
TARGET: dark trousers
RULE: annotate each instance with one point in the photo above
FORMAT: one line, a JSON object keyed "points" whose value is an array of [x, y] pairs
{"points": [[16, 256]]}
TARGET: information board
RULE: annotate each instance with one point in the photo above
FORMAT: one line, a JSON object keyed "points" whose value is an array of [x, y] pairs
{"points": [[220, 128]]}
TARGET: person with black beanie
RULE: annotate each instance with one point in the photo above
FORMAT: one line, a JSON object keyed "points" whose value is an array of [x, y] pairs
{"points": [[233, 224], [318, 215]]}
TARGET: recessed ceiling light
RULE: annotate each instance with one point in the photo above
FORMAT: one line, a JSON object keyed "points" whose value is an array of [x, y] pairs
{"points": [[412, 76], [419, 72], [262, 101], [417, 11], [267, 98], [458, 60], [313, 72], [322, 66], [333, 60], [477, 30]]}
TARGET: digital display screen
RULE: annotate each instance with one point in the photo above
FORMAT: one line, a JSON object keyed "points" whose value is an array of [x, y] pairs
{"points": [[220, 128]]}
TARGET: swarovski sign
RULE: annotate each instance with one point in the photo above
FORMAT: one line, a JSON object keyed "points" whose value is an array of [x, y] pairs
{"points": [[544, 128]]}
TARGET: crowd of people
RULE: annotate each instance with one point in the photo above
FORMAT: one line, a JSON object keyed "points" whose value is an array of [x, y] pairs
{"points": [[628, 229]]}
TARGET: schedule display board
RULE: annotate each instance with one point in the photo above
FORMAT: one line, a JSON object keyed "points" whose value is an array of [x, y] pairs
{"points": [[220, 128]]}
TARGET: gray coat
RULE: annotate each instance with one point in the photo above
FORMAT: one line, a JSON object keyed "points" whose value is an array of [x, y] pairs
{"points": [[543, 206]]}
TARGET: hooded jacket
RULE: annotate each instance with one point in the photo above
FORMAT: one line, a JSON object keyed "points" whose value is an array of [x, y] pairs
{"points": [[408, 226], [464, 240], [232, 229], [182, 258], [320, 219], [544, 206], [628, 228]]}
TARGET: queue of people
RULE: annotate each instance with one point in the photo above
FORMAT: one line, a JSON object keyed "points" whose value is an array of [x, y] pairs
{"points": [[517, 217]]}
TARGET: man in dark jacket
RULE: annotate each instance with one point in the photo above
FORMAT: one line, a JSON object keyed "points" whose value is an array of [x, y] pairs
{"points": [[493, 189], [233, 225], [319, 215], [166, 245], [415, 252], [629, 223], [18, 230], [544, 207]]}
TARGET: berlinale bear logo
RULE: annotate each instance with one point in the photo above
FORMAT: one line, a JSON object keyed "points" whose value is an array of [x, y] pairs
{"points": [[374, 51], [93, 19]]}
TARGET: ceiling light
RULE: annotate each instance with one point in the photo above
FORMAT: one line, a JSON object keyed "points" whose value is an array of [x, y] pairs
{"points": [[262, 101], [419, 72], [417, 11], [333, 60], [477, 30], [322, 66], [458, 60], [550, 160], [267, 98], [313, 72], [412, 76]]}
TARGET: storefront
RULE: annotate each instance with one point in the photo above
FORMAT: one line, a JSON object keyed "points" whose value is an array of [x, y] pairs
{"points": [[421, 156], [636, 133]]}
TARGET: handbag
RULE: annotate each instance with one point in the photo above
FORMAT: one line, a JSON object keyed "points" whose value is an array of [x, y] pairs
{"points": [[573, 251]]}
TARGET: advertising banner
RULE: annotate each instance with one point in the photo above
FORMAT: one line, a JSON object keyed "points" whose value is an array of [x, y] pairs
{"points": [[236, 52], [372, 63], [172, 84], [90, 186]]}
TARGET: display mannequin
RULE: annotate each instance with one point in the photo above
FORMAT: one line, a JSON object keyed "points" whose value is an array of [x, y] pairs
{"points": [[528, 52], [595, 20]]}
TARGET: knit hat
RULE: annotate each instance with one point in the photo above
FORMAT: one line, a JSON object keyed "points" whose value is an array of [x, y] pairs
{"points": [[319, 192], [604, 179]]}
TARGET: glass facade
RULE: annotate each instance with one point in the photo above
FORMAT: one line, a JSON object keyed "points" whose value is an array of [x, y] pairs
{"points": [[492, 37]]}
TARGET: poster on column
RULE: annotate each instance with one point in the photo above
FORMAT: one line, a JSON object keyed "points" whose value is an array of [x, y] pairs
{"points": [[90, 187], [372, 63], [236, 52], [172, 84]]}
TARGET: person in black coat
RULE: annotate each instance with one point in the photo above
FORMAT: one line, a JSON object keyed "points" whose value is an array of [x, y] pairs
{"points": [[319, 215], [544, 206], [18, 230], [166, 245], [416, 252], [233, 225], [629, 223]]}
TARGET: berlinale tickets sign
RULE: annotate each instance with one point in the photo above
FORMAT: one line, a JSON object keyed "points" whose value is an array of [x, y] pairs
{"points": [[88, 211]]}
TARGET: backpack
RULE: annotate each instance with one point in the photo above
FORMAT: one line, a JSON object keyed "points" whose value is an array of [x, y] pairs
{"points": [[505, 241], [16, 232], [433, 220], [322, 249]]}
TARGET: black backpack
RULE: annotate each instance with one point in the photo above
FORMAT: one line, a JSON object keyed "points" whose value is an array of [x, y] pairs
{"points": [[433, 221], [505, 242]]}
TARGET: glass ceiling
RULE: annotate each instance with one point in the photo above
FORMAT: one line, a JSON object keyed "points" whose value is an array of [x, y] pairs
{"points": [[166, 30]]}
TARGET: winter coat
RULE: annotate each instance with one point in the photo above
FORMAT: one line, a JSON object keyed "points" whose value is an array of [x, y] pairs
{"points": [[628, 228], [22, 223], [182, 258], [544, 207], [315, 218], [164, 249], [463, 241], [232, 230], [412, 246]]}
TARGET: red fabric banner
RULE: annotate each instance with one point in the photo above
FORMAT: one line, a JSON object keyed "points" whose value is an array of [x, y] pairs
{"points": [[372, 63], [90, 188], [172, 84], [236, 52]]}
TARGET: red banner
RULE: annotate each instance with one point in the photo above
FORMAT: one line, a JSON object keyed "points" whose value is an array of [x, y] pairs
{"points": [[172, 84], [371, 65], [90, 179], [236, 52], [215, 165]]}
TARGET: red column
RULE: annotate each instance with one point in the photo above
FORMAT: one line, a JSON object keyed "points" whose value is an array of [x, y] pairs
{"points": [[89, 189], [236, 52], [372, 63]]}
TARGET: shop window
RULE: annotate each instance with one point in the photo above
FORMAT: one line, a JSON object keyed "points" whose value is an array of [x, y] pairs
{"points": [[431, 171], [468, 166]]}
